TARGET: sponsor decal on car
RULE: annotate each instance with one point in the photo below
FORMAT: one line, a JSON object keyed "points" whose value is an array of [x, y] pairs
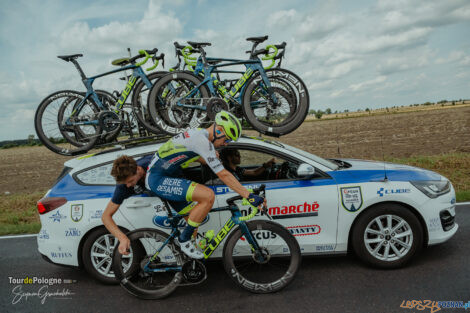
{"points": [[292, 211], [96, 214], [225, 189], [73, 232], [57, 217], [163, 221], [60, 254], [351, 198], [321, 248], [382, 191], [76, 212], [434, 224], [43, 235], [304, 230]]}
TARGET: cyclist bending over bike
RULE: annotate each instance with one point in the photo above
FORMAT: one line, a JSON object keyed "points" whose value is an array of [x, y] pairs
{"points": [[165, 172]]}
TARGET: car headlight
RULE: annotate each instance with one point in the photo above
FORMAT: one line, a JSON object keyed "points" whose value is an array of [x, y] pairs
{"points": [[432, 188]]}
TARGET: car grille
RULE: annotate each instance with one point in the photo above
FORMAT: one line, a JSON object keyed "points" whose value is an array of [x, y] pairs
{"points": [[447, 220]]}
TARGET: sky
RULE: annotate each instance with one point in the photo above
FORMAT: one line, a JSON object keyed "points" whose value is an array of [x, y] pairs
{"points": [[350, 54]]}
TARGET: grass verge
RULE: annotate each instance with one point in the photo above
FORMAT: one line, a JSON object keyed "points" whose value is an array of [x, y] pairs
{"points": [[19, 214]]}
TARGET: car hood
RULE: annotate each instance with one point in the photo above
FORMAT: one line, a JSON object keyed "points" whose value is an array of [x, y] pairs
{"points": [[363, 171]]}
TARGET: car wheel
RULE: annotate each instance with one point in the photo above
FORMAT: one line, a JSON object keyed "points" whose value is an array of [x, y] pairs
{"points": [[387, 235], [97, 255]]}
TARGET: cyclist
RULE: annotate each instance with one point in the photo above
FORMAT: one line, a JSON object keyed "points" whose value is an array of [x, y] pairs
{"points": [[130, 178], [231, 159], [164, 176]]}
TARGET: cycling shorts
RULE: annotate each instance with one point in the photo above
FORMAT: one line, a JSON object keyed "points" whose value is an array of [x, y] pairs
{"points": [[178, 191]]}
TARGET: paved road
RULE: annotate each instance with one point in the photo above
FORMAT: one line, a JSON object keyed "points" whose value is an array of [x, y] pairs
{"points": [[328, 284]]}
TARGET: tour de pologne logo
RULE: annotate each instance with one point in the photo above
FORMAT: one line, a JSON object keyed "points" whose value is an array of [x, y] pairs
{"points": [[351, 198], [42, 288]]}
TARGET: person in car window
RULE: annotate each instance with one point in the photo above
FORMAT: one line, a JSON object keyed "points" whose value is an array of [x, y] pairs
{"points": [[231, 159]]}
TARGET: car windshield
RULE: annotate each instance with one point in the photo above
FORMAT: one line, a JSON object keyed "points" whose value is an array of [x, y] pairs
{"points": [[313, 157]]}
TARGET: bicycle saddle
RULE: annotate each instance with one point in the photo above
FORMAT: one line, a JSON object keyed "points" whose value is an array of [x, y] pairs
{"points": [[257, 39], [199, 44], [120, 62], [69, 57]]}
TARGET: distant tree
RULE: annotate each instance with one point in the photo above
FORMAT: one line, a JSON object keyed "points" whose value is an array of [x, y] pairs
{"points": [[319, 114], [346, 111], [453, 102], [328, 111], [312, 112], [368, 110]]}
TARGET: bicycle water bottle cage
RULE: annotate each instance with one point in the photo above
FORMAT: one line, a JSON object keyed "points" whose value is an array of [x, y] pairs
{"points": [[69, 58], [257, 39]]}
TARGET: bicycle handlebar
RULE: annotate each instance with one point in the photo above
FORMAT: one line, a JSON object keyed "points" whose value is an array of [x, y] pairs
{"points": [[143, 53], [155, 60], [257, 191]]}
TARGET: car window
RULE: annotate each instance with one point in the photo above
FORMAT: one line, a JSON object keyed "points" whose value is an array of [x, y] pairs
{"points": [[249, 165], [98, 175]]}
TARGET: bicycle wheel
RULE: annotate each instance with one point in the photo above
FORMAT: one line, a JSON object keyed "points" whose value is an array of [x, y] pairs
{"points": [[50, 124], [290, 109], [151, 280], [140, 100], [281, 257], [164, 97]]}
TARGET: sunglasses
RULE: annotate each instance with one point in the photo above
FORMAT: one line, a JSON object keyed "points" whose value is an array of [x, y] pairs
{"points": [[218, 132]]}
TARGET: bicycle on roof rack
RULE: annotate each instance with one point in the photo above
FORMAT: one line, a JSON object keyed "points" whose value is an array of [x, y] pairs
{"points": [[70, 122], [273, 101], [260, 256]]}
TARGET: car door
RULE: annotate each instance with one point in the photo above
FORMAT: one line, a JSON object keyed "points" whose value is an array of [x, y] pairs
{"points": [[308, 208]]}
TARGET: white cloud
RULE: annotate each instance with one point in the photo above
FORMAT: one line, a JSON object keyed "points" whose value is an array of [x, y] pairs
{"points": [[372, 82]]}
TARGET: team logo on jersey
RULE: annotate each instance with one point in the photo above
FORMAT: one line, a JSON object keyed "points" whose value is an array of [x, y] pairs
{"points": [[351, 198], [76, 212]]}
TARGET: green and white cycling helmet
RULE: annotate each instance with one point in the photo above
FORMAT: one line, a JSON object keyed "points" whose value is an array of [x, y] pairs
{"points": [[231, 124]]}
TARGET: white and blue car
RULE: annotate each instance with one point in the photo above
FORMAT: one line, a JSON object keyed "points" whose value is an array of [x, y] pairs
{"points": [[383, 212]]}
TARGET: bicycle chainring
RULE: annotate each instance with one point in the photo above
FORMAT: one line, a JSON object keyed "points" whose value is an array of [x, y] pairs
{"points": [[194, 271], [214, 106], [109, 121]]}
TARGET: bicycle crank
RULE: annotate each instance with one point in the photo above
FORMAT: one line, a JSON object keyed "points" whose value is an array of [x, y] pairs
{"points": [[194, 271], [214, 106], [109, 121]]}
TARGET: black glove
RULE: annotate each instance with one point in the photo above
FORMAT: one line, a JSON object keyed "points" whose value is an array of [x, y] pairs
{"points": [[255, 200]]}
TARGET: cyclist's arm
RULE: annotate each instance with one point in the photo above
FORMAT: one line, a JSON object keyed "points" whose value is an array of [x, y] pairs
{"points": [[258, 171], [108, 221], [233, 183]]}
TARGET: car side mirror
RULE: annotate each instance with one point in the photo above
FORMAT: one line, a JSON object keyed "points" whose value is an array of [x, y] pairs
{"points": [[305, 170]]}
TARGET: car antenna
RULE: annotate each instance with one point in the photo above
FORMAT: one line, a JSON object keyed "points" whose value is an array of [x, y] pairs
{"points": [[337, 141], [383, 158]]}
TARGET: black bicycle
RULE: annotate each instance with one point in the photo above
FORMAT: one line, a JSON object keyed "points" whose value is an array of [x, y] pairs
{"points": [[260, 256]]}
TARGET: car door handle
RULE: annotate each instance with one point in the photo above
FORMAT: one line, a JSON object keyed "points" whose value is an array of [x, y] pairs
{"points": [[138, 204]]}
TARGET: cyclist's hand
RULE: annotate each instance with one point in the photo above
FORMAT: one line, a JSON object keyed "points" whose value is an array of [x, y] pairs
{"points": [[256, 200], [124, 246]]}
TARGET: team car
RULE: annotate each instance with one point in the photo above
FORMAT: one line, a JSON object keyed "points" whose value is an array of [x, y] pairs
{"points": [[383, 212]]}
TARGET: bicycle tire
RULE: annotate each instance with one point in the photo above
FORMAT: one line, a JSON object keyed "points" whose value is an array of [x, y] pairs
{"points": [[139, 283], [139, 100], [161, 103], [288, 259], [292, 121], [53, 138]]}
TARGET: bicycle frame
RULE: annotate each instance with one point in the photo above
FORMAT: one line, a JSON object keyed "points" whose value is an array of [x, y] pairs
{"points": [[214, 244], [137, 72], [252, 66]]}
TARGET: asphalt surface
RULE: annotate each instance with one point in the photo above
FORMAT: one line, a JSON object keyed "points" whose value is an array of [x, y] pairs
{"points": [[324, 284]]}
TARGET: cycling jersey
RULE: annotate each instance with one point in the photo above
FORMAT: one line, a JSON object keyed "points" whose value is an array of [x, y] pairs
{"points": [[183, 149], [165, 172], [122, 192]]}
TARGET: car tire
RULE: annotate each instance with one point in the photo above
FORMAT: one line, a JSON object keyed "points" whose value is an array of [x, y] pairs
{"points": [[387, 235], [97, 255]]}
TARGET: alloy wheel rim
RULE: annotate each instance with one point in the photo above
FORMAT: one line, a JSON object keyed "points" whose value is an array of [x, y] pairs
{"points": [[101, 255], [388, 237]]}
